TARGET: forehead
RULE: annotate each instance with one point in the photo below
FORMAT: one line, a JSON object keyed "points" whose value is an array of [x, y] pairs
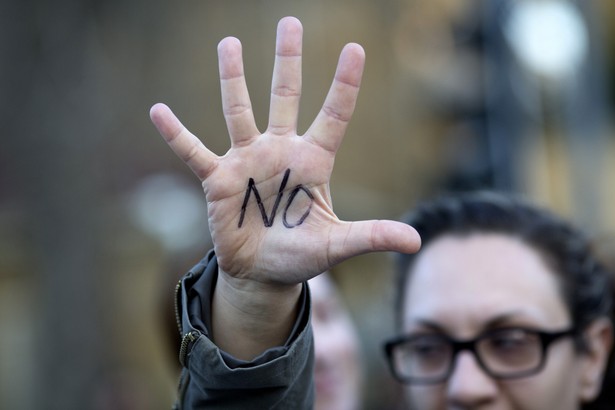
{"points": [[464, 282]]}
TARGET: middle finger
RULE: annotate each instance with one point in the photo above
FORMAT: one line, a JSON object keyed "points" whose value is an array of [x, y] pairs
{"points": [[286, 82]]}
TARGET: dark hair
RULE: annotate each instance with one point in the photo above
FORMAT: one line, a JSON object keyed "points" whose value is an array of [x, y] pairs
{"points": [[585, 283]]}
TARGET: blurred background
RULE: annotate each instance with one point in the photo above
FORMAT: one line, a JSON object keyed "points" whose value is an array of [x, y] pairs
{"points": [[98, 218]]}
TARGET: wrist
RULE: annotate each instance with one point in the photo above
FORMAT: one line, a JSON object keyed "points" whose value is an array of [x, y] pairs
{"points": [[249, 317]]}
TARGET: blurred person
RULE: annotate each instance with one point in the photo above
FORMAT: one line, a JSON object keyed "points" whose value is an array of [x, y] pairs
{"points": [[509, 317], [506, 306], [337, 361]]}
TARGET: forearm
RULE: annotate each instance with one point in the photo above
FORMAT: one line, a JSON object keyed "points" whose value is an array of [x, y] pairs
{"points": [[249, 317]]}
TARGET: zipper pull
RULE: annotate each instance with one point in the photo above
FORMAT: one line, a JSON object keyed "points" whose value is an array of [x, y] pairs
{"points": [[187, 340]]}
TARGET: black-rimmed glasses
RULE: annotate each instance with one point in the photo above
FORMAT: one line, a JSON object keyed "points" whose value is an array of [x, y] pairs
{"points": [[503, 354]]}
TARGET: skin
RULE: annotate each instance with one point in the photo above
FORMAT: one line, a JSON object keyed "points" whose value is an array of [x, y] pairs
{"points": [[463, 286], [262, 268], [337, 372]]}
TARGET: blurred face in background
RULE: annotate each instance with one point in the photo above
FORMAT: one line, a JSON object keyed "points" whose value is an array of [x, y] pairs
{"points": [[337, 371], [462, 287]]}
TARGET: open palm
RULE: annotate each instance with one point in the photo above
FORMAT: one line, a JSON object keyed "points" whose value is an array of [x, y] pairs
{"points": [[270, 211]]}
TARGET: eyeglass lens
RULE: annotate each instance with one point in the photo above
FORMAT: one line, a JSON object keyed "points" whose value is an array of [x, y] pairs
{"points": [[502, 353]]}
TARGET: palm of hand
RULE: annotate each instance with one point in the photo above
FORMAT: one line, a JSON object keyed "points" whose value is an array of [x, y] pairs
{"points": [[294, 235], [279, 225]]}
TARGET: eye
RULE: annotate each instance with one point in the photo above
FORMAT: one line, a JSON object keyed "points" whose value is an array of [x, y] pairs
{"points": [[427, 346], [422, 356], [511, 339], [511, 348]]}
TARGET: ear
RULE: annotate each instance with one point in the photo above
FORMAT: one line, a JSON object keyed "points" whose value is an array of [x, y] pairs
{"points": [[599, 339]]}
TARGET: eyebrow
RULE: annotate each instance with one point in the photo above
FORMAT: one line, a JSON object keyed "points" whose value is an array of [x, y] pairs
{"points": [[494, 322]]}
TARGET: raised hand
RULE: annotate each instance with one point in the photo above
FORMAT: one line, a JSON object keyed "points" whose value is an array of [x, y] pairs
{"points": [[270, 211], [304, 237]]}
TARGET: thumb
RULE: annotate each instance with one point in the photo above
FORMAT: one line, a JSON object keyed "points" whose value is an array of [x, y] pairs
{"points": [[355, 238]]}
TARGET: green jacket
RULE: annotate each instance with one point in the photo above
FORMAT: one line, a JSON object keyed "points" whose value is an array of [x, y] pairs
{"points": [[280, 378]]}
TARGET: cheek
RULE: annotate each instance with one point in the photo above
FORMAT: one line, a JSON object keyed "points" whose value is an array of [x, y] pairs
{"points": [[556, 387], [426, 397], [539, 394]]}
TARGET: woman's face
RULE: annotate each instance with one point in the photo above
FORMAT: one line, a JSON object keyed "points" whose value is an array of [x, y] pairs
{"points": [[337, 370], [464, 286]]}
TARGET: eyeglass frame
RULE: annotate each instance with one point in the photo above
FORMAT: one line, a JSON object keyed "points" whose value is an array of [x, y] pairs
{"points": [[546, 339]]}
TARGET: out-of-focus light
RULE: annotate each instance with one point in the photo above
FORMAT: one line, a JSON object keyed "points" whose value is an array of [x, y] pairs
{"points": [[170, 209], [548, 36]]}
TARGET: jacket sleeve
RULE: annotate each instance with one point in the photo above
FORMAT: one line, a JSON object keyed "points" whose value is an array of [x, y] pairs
{"points": [[279, 378]]}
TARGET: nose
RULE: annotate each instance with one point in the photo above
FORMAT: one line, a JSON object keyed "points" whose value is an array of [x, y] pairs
{"points": [[469, 386]]}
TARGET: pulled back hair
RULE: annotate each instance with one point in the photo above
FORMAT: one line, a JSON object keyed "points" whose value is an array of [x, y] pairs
{"points": [[585, 283]]}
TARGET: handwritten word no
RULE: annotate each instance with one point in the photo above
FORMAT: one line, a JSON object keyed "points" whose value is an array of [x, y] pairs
{"points": [[268, 219]]}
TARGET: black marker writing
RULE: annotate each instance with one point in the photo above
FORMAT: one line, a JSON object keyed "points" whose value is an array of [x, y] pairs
{"points": [[291, 198], [268, 219]]}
